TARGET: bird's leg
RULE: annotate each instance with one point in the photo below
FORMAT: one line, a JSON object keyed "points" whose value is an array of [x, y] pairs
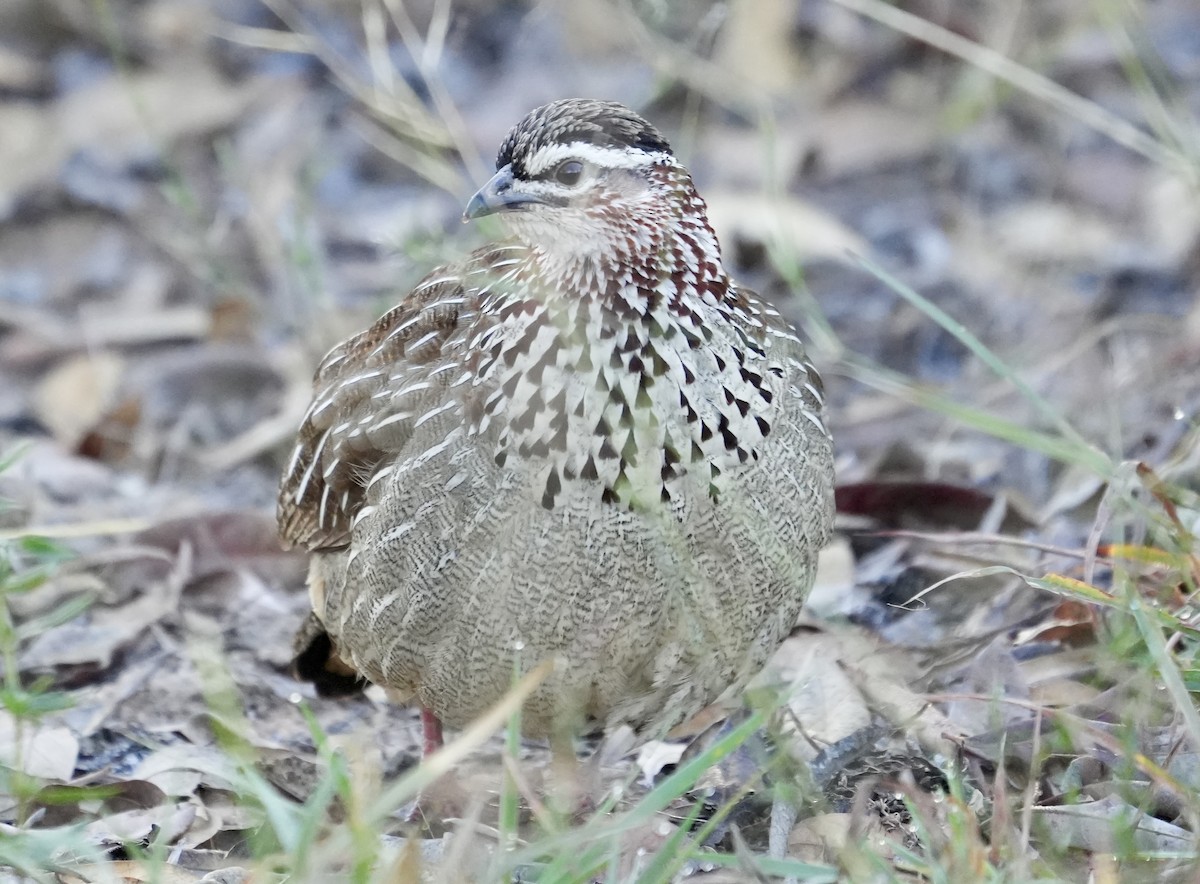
{"points": [[444, 799], [431, 731]]}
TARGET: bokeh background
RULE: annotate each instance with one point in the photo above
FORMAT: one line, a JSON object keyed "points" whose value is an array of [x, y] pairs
{"points": [[199, 197]]}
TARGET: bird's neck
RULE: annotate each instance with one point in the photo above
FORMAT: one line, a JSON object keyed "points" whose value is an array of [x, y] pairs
{"points": [[639, 268]]}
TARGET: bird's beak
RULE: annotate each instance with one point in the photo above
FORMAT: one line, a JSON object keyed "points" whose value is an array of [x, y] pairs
{"points": [[497, 196]]}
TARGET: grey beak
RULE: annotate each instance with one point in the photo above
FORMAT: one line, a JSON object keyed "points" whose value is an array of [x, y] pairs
{"points": [[497, 196]]}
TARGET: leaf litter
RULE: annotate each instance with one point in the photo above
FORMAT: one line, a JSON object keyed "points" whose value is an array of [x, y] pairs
{"points": [[182, 238]]}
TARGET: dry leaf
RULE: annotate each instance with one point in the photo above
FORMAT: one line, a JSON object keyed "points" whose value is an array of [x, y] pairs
{"points": [[847, 136], [819, 694], [804, 229], [822, 838], [1100, 826], [179, 770], [95, 637], [165, 822], [41, 751], [129, 871], [74, 395]]}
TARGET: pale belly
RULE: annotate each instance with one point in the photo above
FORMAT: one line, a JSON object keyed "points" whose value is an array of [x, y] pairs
{"points": [[648, 615]]}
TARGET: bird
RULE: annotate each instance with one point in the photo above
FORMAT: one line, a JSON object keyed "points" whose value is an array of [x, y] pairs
{"points": [[583, 443]]}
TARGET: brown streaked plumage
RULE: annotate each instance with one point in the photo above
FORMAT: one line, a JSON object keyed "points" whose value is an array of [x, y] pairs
{"points": [[585, 442]]}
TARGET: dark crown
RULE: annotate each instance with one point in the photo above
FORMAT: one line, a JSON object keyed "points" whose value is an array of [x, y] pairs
{"points": [[572, 120]]}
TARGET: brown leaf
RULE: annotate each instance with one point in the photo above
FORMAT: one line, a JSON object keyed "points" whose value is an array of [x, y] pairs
{"points": [[223, 541], [74, 395], [898, 504]]}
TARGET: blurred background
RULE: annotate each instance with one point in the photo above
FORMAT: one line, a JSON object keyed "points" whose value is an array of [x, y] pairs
{"points": [[197, 199], [983, 214]]}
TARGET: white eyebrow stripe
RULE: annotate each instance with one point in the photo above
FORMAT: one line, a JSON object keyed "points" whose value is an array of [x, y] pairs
{"points": [[605, 157]]}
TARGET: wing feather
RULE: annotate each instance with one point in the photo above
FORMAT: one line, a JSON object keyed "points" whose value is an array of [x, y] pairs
{"points": [[366, 393]]}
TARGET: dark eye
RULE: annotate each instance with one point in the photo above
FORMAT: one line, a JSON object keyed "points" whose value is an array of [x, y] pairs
{"points": [[569, 172]]}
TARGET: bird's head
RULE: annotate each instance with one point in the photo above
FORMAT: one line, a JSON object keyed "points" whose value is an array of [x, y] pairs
{"points": [[586, 180]]}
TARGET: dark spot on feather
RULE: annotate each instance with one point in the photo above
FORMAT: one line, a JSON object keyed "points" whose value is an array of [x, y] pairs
{"points": [[659, 366], [553, 487], [629, 452], [523, 422], [559, 441]]}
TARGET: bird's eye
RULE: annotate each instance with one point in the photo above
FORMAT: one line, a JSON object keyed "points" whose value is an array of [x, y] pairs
{"points": [[569, 172]]}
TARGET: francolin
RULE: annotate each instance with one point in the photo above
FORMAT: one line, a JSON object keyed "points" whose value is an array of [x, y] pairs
{"points": [[585, 442]]}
